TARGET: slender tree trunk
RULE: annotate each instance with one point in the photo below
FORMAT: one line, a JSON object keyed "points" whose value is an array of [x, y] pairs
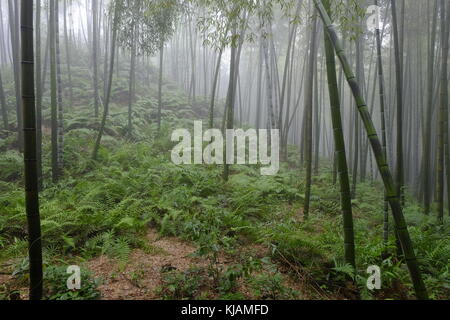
{"points": [[68, 62], [444, 95], [95, 30], [60, 97], [399, 79], [292, 31], [3, 105], [4, 58], [346, 201], [193, 64], [316, 120], [443, 119], [105, 59], [31, 172], [53, 94], [427, 148], [269, 89], [383, 125], [214, 88], [161, 64], [357, 133], [131, 91], [110, 78], [46, 59], [39, 93], [14, 27], [230, 101], [259, 86], [308, 110]]}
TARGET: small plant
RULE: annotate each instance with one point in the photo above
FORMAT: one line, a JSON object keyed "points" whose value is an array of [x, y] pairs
{"points": [[181, 285], [8, 293], [136, 277], [227, 281], [55, 285], [269, 286]]}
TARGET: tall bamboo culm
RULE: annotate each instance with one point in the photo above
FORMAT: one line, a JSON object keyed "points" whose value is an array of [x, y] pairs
{"points": [[340, 152], [30, 152], [383, 124]]}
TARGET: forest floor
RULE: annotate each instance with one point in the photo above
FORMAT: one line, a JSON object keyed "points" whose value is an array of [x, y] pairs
{"points": [[142, 276]]}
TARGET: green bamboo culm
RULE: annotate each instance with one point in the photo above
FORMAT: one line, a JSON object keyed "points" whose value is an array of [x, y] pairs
{"points": [[340, 152], [445, 19], [445, 30], [392, 195], [30, 151], [117, 7], [53, 93], [398, 56], [229, 115], [308, 117], [383, 124]]}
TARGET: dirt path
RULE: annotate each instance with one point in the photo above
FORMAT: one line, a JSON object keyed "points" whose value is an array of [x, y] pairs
{"points": [[142, 274], [140, 277]]}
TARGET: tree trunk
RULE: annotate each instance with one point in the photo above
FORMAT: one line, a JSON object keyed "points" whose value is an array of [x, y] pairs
{"points": [[60, 94], [383, 125], [110, 78], [308, 114], [95, 30], [346, 201], [230, 102], [214, 88], [53, 94], [68, 62], [39, 93], [269, 89], [161, 62], [14, 27], [443, 119], [31, 172], [259, 108], [3, 105], [399, 80], [131, 91], [427, 148]]}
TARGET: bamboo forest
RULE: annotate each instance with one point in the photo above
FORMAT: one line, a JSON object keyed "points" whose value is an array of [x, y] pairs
{"points": [[224, 150]]}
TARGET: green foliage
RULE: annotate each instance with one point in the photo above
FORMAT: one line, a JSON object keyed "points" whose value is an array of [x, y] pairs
{"points": [[146, 24], [181, 285], [55, 284], [270, 287], [348, 15], [11, 163]]}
